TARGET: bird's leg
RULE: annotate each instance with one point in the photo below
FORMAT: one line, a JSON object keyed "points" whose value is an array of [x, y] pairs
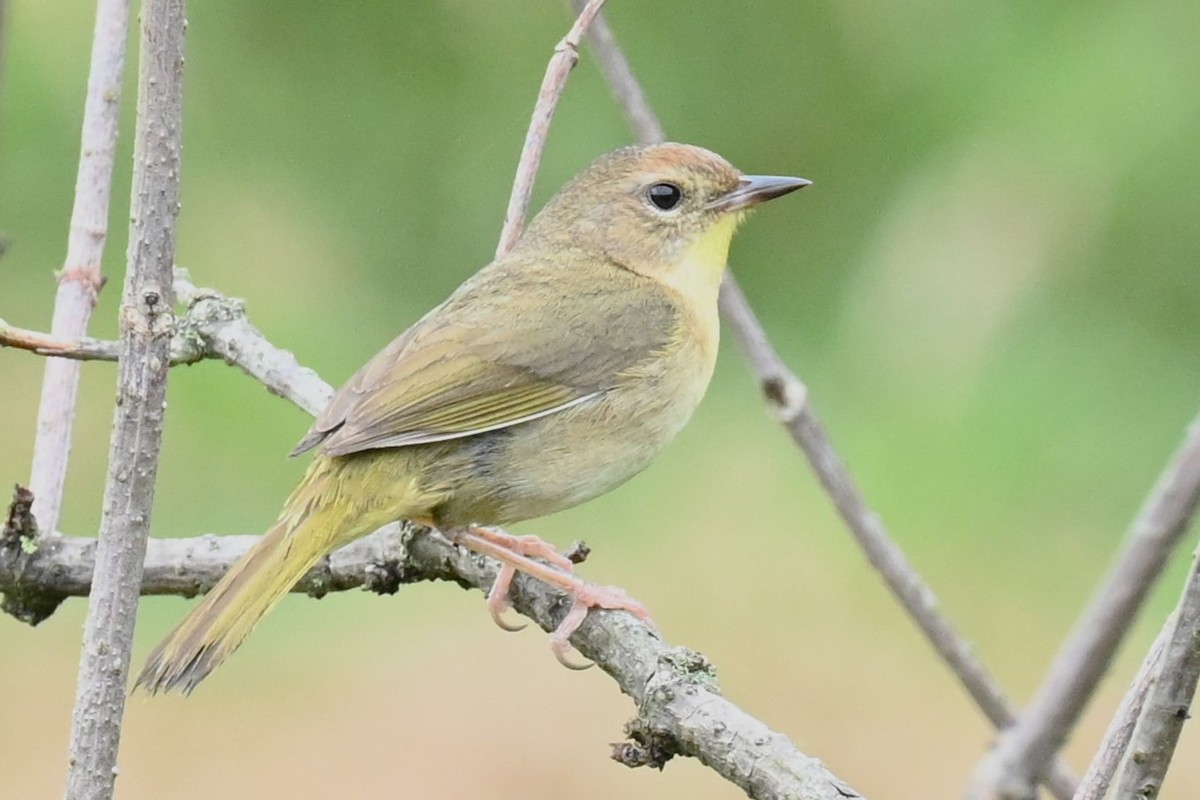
{"points": [[508, 550], [531, 546]]}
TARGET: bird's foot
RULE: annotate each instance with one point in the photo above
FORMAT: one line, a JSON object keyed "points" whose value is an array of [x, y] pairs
{"points": [[586, 597], [527, 546], [517, 553]]}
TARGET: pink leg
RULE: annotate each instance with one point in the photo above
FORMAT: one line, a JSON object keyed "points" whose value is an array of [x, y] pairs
{"points": [[497, 599], [531, 546], [512, 553]]}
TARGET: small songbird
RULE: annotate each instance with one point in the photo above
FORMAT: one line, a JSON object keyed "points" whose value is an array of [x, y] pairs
{"points": [[552, 376]]}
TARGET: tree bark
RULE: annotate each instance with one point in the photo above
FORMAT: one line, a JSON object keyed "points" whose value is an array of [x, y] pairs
{"points": [[146, 326]]}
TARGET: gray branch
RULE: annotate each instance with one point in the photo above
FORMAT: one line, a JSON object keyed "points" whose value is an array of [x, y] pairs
{"points": [[1024, 751], [218, 327], [1169, 702], [80, 279], [680, 708], [146, 324], [1095, 782], [788, 397], [211, 325]]}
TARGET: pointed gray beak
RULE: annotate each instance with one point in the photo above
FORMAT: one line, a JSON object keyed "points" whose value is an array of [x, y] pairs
{"points": [[754, 189]]}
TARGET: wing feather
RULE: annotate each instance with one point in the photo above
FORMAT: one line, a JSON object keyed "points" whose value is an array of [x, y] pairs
{"points": [[481, 361]]}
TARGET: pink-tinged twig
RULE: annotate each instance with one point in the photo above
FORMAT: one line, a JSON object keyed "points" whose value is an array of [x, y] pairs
{"points": [[787, 395], [1023, 752], [147, 323], [566, 56], [81, 349], [80, 280]]}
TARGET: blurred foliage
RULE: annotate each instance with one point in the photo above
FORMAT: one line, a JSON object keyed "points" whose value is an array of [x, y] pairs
{"points": [[992, 290]]}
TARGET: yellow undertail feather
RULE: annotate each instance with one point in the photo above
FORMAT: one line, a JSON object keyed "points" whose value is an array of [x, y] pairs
{"points": [[317, 519]]}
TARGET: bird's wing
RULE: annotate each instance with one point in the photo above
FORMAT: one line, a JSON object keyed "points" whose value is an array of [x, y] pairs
{"points": [[507, 348]]}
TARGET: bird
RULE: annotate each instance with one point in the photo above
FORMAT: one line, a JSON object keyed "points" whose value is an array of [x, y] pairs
{"points": [[551, 376]]}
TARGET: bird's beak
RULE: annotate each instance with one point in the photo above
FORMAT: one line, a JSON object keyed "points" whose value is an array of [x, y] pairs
{"points": [[754, 189]]}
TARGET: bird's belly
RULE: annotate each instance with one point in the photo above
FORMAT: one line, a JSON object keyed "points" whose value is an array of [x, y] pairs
{"points": [[559, 461]]}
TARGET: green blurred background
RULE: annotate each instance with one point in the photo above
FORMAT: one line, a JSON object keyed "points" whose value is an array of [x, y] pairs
{"points": [[992, 291]]}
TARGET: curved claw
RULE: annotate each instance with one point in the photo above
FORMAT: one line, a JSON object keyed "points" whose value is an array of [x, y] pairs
{"points": [[511, 627], [497, 599], [560, 642], [560, 655]]}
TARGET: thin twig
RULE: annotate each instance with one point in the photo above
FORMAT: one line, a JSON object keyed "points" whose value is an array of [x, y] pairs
{"points": [[80, 280], [1023, 752], [566, 56], [212, 325], [218, 324], [84, 348], [1167, 707], [1095, 782], [146, 325], [787, 395]]}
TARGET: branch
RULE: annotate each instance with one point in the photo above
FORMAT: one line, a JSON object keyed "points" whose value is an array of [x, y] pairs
{"points": [[146, 324], [788, 397], [680, 708], [80, 279], [1170, 699], [211, 325], [1023, 752], [566, 56], [84, 348], [1095, 782], [220, 324]]}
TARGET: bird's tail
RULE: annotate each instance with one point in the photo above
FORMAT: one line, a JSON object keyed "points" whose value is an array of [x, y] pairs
{"points": [[316, 519]]}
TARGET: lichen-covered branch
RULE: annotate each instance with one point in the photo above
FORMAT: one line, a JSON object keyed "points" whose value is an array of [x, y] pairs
{"points": [[680, 708], [218, 324], [211, 325], [146, 322]]}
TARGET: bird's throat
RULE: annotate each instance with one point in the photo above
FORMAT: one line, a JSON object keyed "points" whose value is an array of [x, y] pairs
{"points": [[697, 277]]}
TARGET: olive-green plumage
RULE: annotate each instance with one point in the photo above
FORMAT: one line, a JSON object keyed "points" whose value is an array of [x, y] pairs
{"points": [[553, 375]]}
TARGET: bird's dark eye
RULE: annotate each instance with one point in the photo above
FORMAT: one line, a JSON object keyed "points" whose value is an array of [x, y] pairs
{"points": [[665, 196]]}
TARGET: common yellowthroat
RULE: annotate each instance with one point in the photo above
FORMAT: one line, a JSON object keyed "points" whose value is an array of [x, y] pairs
{"points": [[553, 375]]}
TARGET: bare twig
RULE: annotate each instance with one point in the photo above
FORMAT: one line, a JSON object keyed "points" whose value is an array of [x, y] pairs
{"points": [[146, 326], [1170, 699], [566, 56], [1095, 782], [211, 326], [1024, 751], [84, 348], [219, 325], [787, 395], [80, 279], [680, 709]]}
